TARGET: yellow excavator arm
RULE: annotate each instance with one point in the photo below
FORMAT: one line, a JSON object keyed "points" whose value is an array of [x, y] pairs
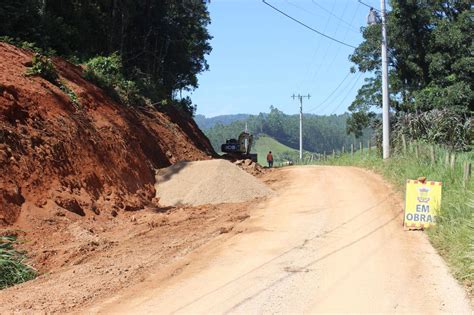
{"points": [[245, 142]]}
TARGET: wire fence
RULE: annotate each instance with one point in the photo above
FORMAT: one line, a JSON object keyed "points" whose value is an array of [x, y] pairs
{"points": [[459, 164]]}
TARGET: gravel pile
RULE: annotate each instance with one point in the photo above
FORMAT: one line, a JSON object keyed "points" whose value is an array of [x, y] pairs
{"points": [[207, 182]]}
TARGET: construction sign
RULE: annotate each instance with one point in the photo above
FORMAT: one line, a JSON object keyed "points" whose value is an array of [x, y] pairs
{"points": [[422, 203]]}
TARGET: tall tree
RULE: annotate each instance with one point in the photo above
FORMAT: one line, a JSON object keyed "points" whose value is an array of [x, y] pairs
{"points": [[430, 60], [162, 43]]}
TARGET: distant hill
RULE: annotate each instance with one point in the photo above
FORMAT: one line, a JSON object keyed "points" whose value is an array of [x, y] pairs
{"points": [[206, 123], [320, 133]]}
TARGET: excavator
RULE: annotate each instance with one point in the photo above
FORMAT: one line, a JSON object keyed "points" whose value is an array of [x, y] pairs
{"points": [[240, 148]]}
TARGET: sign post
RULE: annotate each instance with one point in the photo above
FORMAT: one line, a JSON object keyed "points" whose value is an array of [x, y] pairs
{"points": [[422, 204]]}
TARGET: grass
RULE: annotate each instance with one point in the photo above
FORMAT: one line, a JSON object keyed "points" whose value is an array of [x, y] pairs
{"points": [[453, 236], [281, 153], [13, 269]]}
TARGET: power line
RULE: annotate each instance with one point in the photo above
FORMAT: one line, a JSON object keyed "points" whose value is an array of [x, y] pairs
{"points": [[308, 71], [337, 17], [328, 68], [331, 94], [318, 13], [347, 94], [342, 86], [307, 26], [369, 6], [299, 7]]}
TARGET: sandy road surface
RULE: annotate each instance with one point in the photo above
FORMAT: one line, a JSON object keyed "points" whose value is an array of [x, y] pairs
{"points": [[331, 241]]}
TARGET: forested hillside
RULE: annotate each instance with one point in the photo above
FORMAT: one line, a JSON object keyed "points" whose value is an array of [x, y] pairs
{"points": [[140, 51], [320, 133], [205, 123]]}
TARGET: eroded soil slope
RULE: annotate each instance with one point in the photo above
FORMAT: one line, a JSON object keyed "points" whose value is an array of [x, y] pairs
{"points": [[92, 160]]}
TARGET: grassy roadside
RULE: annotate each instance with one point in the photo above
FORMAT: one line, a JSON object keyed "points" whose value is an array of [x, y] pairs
{"points": [[453, 236]]}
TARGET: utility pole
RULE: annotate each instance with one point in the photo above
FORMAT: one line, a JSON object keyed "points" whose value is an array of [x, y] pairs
{"points": [[385, 101], [300, 97], [373, 18]]}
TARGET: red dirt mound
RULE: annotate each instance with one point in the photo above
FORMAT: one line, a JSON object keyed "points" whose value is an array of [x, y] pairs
{"points": [[97, 158]]}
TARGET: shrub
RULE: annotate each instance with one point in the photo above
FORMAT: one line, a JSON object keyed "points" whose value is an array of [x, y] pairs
{"points": [[74, 99], [107, 73], [27, 46], [186, 106], [104, 71], [450, 126], [13, 270], [43, 66]]}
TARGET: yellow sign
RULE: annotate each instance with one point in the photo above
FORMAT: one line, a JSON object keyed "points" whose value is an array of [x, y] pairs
{"points": [[422, 203]]}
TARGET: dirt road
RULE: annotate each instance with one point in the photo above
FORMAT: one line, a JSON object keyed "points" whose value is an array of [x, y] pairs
{"points": [[331, 241]]}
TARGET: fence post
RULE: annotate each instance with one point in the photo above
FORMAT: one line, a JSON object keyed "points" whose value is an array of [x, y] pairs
{"points": [[467, 173], [368, 147], [324, 156], [417, 155], [361, 148], [352, 149], [446, 159], [333, 154], [404, 143], [453, 160], [343, 149], [432, 153]]}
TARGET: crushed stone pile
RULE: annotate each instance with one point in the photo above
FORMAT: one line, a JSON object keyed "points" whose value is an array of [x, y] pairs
{"points": [[250, 166], [207, 182]]}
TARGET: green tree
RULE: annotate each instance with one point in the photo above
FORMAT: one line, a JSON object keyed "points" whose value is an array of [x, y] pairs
{"points": [[162, 44], [430, 60]]}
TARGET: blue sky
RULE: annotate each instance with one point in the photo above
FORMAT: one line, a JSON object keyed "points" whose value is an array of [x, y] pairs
{"points": [[260, 57]]}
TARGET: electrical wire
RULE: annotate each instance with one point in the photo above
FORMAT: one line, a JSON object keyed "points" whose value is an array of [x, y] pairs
{"points": [[317, 50], [337, 17], [369, 6], [307, 26], [347, 95], [330, 94], [334, 59], [318, 13], [300, 7], [328, 68], [340, 88]]}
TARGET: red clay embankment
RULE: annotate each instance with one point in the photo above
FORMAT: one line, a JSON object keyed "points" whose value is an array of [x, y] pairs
{"points": [[98, 159]]}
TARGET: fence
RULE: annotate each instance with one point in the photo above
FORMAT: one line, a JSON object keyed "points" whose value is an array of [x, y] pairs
{"points": [[460, 164]]}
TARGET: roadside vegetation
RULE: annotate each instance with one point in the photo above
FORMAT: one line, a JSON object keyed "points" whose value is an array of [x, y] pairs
{"points": [[13, 269], [141, 53], [453, 236], [432, 105], [42, 66]]}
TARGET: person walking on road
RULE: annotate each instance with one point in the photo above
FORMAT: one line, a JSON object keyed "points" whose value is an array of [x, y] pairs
{"points": [[270, 159]]}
